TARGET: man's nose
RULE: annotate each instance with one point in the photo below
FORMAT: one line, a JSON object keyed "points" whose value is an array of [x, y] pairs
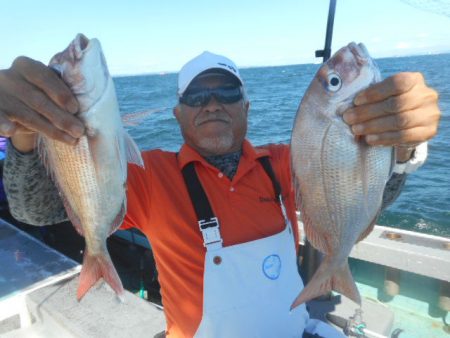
{"points": [[213, 105]]}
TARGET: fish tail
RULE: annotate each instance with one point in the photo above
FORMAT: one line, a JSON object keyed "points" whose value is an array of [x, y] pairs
{"points": [[320, 284], [94, 268], [343, 283], [325, 280]]}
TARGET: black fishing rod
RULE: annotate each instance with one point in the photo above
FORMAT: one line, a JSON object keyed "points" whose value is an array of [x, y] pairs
{"points": [[326, 52], [311, 257]]}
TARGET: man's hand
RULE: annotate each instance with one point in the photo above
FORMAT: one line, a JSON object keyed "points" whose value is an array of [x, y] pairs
{"points": [[34, 99], [399, 111]]}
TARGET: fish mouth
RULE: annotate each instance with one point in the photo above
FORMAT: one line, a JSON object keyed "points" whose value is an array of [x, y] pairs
{"points": [[360, 53], [363, 58], [82, 41], [79, 46]]}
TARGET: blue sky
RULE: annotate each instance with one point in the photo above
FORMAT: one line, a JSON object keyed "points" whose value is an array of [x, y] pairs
{"points": [[146, 36]]}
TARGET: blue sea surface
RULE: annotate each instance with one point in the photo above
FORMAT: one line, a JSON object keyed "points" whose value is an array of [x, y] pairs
{"points": [[275, 93]]}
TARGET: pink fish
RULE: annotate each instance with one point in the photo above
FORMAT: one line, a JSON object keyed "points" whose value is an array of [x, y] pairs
{"points": [[339, 180], [91, 175]]}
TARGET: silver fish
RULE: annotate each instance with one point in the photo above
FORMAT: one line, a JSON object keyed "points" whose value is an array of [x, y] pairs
{"points": [[91, 175], [339, 180]]}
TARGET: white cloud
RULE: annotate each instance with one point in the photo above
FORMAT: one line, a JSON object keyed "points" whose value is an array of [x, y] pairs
{"points": [[403, 45]]}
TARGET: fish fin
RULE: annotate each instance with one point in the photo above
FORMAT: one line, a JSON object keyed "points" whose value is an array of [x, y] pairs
{"points": [[71, 214], [368, 230], [119, 218], [135, 118], [393, 161], [320, 284], [343, 283], [132, 151], [326, 279], [318, 242], [42, 148], [120, 158], [94, 268], [42, 151]]}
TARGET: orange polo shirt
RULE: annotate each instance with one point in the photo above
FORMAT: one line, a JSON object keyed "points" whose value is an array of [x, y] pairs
{"points": [[159, 205]]}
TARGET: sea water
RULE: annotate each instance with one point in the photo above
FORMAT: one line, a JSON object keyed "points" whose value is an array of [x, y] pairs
{"points": [[275, 93]]}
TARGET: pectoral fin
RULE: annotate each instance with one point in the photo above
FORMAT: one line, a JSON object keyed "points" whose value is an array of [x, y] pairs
{"points": [[132, 151]]}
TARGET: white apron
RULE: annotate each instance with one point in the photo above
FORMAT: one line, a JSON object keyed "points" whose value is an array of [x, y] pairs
{"points": [[248, 289]]}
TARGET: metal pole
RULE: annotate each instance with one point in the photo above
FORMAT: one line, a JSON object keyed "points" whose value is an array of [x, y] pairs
{"points": [[326, 52], [311, 257]]}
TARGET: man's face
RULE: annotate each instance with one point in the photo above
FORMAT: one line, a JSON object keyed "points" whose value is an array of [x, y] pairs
{"points": [[214, 128]]}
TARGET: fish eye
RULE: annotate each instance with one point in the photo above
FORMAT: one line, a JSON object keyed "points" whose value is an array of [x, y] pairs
{"points": [[334, 82]]}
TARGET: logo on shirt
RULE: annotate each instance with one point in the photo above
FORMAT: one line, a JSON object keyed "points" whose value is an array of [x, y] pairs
{"points": [[264, 199], [271, 266]]}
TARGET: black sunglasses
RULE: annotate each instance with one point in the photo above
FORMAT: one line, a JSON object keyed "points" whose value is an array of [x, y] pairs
{"points": [[201, 96]]}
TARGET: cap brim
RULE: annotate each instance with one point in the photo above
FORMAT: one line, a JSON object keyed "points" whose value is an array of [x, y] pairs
{"points": [[217, 71]]}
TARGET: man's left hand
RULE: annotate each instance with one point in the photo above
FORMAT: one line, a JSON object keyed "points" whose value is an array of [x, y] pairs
{"points": [[399, 111]]}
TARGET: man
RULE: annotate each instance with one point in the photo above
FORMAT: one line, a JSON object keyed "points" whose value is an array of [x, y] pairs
{"points": [[225, 248]]}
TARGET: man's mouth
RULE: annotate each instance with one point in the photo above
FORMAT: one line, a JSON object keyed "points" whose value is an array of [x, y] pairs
{"points": [[212, 120]]}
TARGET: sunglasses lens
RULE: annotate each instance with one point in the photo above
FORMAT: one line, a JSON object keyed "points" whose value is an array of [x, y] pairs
{"points": [[201, 97], [228, 95], [196, 99]]}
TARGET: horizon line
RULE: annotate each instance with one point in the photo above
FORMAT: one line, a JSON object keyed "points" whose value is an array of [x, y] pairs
{"points": [[169, 72]]}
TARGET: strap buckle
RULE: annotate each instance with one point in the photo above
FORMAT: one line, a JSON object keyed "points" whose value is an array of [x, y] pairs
{"points": [[210, 231]]}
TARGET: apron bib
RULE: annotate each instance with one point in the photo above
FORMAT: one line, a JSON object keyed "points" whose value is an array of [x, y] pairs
{"points": [[248, 288]]}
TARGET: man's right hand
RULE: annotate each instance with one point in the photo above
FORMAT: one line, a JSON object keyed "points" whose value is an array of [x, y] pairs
{"points": [[34, 99]]}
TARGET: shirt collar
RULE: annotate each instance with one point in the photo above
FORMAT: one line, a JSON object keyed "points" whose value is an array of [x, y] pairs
{"points": [[249, 153]]}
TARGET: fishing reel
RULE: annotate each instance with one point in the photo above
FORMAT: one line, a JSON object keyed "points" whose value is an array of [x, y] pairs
{"points": [[355, 325]]}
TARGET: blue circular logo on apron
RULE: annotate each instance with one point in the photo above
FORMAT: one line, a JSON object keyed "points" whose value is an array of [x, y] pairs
{"points": [[272, 266]]}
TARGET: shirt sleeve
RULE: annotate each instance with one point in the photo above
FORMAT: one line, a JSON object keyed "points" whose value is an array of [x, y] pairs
{"points": [[139, 190], [32, 196]]}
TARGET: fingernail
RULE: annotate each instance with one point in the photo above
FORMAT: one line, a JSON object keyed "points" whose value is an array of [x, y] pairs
{"points": [[69, 139], [357, 128], [77, 130], [359, 100], [372, 138], [72, 106], [349, 117], [7, 129]]}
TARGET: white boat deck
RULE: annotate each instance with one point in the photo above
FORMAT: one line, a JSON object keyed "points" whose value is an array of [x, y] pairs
{"points": [[38, 296], [38, 288]]}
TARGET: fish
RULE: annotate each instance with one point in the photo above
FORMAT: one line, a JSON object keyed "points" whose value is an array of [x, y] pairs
{"points": [[91, 175], [338, 179]]}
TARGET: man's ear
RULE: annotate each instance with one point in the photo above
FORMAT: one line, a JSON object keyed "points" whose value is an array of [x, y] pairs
{"points": [[246, 107], [176, 111]]}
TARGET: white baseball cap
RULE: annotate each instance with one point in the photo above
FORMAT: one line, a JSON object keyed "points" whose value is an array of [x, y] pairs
{"points": [[202, 63]]}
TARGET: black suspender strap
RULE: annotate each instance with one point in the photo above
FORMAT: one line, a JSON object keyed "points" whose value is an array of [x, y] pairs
{"points": [[265, 162], [197, 193], [207, 221], [198, 196]]}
